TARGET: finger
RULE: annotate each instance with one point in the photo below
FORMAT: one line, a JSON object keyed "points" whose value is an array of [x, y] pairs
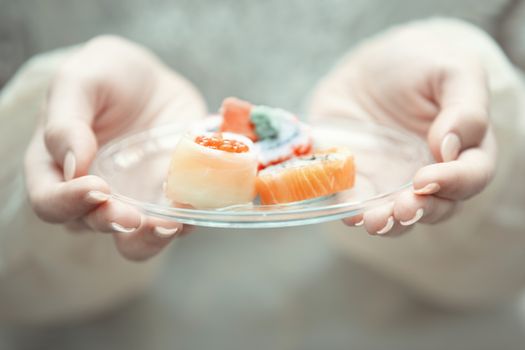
{"points": [[410, 208], [148, 240], [356, 220], [380, 221], [68, 135], [137, 237], [114, 216], [459, 179], [52, 199], [62, 202], [463, 118]]}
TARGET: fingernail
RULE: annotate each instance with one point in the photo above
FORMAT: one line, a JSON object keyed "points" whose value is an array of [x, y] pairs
{"points": [[350, 222], [164, 232], [70, 165], [122, 229], [419, 215], [388, 226], [96, 197], [450, 147], [431, 188]]}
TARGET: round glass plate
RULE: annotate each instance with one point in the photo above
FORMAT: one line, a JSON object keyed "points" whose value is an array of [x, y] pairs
{"points": [[135, 167]]}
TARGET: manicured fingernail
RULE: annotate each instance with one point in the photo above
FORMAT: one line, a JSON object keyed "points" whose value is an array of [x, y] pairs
{"points": [[119, 228], [164, 232], [360, 223], [96, 197], [351, 222], [450, 147], [388, 226], [70, 165], [419, 215], [431, 188]]}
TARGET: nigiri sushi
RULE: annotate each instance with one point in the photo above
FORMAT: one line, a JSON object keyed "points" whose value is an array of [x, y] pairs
{"points": [[278, 134], [212, 170], [307, 177]]}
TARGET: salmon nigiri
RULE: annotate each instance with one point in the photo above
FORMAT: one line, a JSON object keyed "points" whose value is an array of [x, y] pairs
{"points": [[307, 177], [212, 170]]}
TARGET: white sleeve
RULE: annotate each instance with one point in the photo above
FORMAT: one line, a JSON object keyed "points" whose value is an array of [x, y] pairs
{"points": [[478, 256], [46, 273]]}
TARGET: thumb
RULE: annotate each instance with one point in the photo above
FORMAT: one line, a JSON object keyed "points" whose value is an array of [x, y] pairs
{"points": [[463, 118], [68, 135]]}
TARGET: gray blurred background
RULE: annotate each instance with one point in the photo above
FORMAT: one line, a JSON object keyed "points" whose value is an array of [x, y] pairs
{"points": [[286, 289], [267, 51]]}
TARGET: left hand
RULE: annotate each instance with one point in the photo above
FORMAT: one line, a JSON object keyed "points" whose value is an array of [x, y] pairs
{"points": [[107, 88], [432, 87]]}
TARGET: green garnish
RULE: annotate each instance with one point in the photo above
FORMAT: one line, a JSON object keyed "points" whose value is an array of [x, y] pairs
{"points": [[266, 121]]}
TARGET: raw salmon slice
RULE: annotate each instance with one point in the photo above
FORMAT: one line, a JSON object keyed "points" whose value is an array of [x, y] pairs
{"points": [[236, 117], [302, 178]]}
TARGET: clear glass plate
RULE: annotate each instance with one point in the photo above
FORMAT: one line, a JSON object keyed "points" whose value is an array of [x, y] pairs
{"points": [[135, 167]]}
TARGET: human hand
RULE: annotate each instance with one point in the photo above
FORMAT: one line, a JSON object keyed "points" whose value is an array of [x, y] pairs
{"points": [[411, 79], [107, 88]]}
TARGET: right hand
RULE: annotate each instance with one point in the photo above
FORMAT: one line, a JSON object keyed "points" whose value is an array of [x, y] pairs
{"points": [[107, 88], [415, 79]]}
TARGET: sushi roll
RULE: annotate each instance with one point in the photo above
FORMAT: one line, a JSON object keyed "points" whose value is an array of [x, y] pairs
{"points": [[307, 177], [278, 134], [212, 170]]}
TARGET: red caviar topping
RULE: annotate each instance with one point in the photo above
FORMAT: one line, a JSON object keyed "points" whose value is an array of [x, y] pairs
{"points": [[218, 142]]}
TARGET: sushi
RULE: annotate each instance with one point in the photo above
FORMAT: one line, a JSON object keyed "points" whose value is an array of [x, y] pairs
{"points": [[236, 118], [212, 170], [277, 134], [307, 177], [252, 150]]}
